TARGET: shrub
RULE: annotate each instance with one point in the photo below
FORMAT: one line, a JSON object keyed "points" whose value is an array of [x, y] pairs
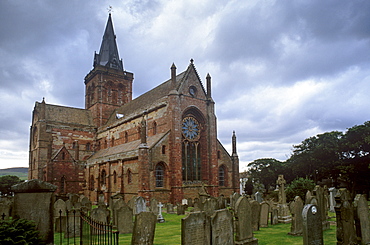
{"points": [[19, 231], [299, 187]]}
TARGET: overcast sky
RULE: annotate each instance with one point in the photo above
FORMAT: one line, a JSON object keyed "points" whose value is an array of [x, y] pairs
{"points": [[282, 71]]}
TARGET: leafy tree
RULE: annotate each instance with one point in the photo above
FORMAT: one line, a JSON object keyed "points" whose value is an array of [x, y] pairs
{"points": [[265, 171], [248, 187], [299, 187], [7, 181], [19, 231]]}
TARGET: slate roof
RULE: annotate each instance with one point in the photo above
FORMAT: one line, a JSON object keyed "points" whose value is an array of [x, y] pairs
{"points": [[67, 115]]}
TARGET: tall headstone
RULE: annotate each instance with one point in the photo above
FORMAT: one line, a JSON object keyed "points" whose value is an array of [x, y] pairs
{"points": [[362, 219], [60, 210], [332, 193], [180, 209], [154, 206], [117, 204], [274, 215], [160, 218], [243, 222], [258, 197], [209, 206], [194, 229], [346, 233], [222, 232], [296, 208], [308, 197], [124, 219], [33, 201], [318, 192], [255, 210], [312, 227], [264, 214], [144, 228], [284, 215], [100, 214], [170, 209]]}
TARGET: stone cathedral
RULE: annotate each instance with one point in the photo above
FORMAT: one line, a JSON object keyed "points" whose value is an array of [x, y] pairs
{"points": [[162, 144]]}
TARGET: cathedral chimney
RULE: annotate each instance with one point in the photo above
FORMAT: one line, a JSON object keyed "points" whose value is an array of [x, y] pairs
{"points": [[209, 94]]}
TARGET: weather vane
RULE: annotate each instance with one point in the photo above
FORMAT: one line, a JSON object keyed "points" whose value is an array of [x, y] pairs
{"points": [[110, 9]]}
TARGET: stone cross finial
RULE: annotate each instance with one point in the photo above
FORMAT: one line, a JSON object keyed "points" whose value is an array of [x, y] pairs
{"points": [[281, 182], [110, 9]]}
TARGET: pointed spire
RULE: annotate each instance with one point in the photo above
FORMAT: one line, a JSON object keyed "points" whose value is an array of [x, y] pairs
{"points": [[234, 144], [209, 93], [108, 55]]}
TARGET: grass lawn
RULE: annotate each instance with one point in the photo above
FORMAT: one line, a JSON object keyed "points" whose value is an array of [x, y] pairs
{"points": [[169, 233]]}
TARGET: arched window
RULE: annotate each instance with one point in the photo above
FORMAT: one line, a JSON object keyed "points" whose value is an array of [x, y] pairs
{"points": [[222, 176], [74, 145], [88, 146], [163, 149], [159, 175], [114, 177], [103, 177], [129, 176], [154, 128], [112, 141], [105, 144], [191, 149], [218, 154], [63, 184]]}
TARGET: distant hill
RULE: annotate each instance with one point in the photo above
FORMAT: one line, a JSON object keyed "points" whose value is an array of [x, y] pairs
{"points": [[22, 173]]}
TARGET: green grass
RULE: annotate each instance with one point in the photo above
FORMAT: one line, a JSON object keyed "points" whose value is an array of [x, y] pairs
{"points": [[169, 233]]}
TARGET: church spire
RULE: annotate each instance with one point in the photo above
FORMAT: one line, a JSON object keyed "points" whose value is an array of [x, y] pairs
{"points": [[108, 55]]}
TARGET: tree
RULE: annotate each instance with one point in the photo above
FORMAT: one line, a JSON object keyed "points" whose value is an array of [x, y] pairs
{"points": [[19, 231], [265, 171], [7, 181], [299, 187]]}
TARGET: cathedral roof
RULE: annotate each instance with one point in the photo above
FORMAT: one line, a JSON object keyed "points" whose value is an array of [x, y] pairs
{"points": [[108, 55], [67, 115]]}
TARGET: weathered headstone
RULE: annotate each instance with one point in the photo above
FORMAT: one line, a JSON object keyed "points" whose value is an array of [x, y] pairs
{"points": [[332, 193], [100, 214], [117, 204], [243, 222], [194, 230], [346, 233], [144, 229], [222, 232], [180, 209], [255, 210], [264, 214], [69, 205], [74, 198], [221, 202], [209, 206], [312, 227], [60, 210], [318, 192], [284, 215], [73, 223], [274, 215], [233, 199], [124, 216], [170, 209], [184, 201], [140, 205], [308, 197], [33, 201], [296, 208], [154, 206], [362, 219], [190, 202], [258, 197]]}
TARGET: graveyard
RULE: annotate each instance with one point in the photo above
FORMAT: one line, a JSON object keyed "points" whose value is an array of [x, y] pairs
{"points": [[322, 218]]}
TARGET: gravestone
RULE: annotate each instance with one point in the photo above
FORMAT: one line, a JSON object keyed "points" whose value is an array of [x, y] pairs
{"points": [[180, 209], [101, 199], [312, 227], [362, 219], [284, 215], [256, 210], [33, 201], [116, 205], [140, 205], [154, 206], [194, 229], [190, 202], [73, 223], [332, 193], [296, 208], [131, 203], [264, 214], [209, 206], [258, 197], [318, 192], [233, 199], [160, 218], [86, 204], [124, 216], [69, 205], [74, 198], [243, 222], [346, 233], [184, 201], [100, 214], [144, 228], [308, 197], [170, 209], [222, 232], [274, 215], [60, 210], [221, 202]]}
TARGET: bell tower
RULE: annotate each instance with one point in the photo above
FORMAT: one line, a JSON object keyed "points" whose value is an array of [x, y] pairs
{"points": [[107, 86]]}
